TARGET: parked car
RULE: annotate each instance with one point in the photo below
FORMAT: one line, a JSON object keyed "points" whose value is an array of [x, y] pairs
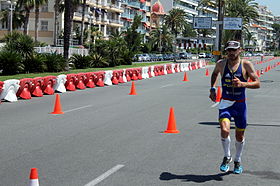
{"points": [[202, 55], [208, 55]]}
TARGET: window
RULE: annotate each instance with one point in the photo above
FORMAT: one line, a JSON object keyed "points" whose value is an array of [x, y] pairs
{"points": [[44, 25], [45, 8]]}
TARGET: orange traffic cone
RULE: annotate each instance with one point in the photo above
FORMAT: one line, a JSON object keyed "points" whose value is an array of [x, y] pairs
{"points": [[186, 77], [219, 94], [132, 90], [33, 179], [171, 127], [207, 72], [57, 106]]}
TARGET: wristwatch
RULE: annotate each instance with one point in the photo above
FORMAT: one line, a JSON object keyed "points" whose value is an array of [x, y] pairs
{"points": [[212, 89]]}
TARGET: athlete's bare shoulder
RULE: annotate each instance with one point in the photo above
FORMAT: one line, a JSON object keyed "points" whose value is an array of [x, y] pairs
{"points": [[221, 64], [247, 64]]}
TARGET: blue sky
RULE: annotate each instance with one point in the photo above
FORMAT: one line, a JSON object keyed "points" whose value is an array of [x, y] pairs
{"points": [[273, 5]]}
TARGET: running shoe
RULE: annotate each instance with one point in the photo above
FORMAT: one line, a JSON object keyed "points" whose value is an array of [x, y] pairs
{"points": [[238, 169], [225, 165]]}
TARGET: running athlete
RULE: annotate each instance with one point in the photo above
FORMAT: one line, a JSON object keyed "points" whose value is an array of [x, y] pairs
{"points": [[234, 75]]}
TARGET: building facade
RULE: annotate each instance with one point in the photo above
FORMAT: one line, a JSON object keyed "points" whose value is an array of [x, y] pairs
{"points": [[262, 30]]}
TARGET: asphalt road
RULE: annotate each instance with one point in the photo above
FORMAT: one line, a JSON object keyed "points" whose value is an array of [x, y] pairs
{"points": [[113, 139]]}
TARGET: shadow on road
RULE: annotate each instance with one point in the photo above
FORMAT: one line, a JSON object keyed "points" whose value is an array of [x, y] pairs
{"points": [[265, 174], [166, 176], [232, 124], [215, 123]]}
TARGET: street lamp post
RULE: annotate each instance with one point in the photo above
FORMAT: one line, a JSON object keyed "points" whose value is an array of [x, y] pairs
{"points": [[12, 6]]}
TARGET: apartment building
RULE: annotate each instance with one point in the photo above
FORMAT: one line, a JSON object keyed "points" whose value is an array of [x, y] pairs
{"points": [[262, 29], [136, 7], [192, 10], [103, 14]]}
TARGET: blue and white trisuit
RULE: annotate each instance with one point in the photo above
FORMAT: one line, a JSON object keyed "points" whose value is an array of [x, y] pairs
{"points": [[233, 102]]}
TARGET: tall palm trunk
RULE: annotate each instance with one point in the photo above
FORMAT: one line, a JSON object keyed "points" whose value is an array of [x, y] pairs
{"points": [[83, 22], [56, 14], [36, 21], [67, 29], [26, 20]]}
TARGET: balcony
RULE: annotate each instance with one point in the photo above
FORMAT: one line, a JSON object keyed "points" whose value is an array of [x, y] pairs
{"points": [[115, 22], [134, 4]]}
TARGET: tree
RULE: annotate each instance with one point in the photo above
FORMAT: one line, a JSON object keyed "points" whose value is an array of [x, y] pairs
{"points": [[67, 29], [188, 31], [176, 20], [249, 36], [161, 39], [27, 6], [58, 8], [246, 9], [132, 37], [38, 3], [83, 22], [276, 30], [18, 17]]}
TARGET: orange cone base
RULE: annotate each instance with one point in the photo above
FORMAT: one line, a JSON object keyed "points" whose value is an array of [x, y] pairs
{"points": [[171, 131], [57, 112]]}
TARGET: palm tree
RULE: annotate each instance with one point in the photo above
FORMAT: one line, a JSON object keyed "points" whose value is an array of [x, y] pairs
{"points": [[249, 36], [38, 3], [161, 39], [276, 30], [58, 8], [246, 9], [175, 20], [67, 30], [27, 6], [18, 17], [188, 31], [83, 21]]}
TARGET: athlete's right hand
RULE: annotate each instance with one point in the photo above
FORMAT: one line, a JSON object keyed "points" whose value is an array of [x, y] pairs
{"points": [[212, 96]]}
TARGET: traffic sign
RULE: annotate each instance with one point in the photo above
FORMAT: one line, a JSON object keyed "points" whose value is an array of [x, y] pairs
{"points": [[202, 22], [232, 23], [216, 53]]}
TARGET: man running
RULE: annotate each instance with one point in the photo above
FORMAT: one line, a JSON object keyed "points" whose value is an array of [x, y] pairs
{"points": [[234, 75]]}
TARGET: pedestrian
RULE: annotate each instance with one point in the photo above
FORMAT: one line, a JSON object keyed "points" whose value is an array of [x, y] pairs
{"points": [[234, 73]]}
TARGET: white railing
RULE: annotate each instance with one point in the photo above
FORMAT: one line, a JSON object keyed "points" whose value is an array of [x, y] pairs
{"points": [[59, 50]]}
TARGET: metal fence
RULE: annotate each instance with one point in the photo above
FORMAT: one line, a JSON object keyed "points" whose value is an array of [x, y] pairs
{"points": [[59, 50]]}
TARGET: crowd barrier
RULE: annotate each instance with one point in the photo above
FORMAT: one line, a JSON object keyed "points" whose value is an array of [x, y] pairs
{"points": [[11, 90], [48, 86], [60, 83], [25, 88]]}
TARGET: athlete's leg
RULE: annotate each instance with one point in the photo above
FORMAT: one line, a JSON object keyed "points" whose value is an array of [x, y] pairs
{"points": [[241, 124], [239, 144], [225, 137]]}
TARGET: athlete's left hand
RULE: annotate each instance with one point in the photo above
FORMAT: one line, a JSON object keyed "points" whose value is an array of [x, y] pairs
{"points": [[237, 83]]}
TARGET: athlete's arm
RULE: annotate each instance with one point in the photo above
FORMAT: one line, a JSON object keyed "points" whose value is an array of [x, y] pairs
{"points": [[215, 73], [249, 68], [214, 77]]}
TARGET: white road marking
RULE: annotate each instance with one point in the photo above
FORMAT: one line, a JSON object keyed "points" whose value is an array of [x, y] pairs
{"points": [[168, 85], [78, 108], [105, 175], [215, 104]]}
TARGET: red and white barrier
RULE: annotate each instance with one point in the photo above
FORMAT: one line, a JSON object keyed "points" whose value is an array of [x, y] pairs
{"points": [[9, 90], [145, 74], [60, 83], [108, 77], [25, 87], [48, 86]]}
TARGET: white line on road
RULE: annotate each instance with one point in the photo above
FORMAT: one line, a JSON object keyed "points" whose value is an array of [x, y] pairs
{"points": [[105, 175], [215, 104], [168, 85], [78, 108]]}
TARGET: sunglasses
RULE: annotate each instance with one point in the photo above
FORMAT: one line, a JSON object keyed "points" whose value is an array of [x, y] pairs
{"points": [[232, 50]]}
